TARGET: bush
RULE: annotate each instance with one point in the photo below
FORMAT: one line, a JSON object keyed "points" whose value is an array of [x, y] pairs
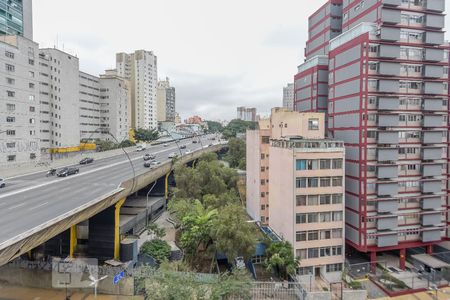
{"points": [[158, 249]]}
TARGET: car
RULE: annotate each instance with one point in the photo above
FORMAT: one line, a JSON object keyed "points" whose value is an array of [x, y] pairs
{"points": [[86, 160], [239, 262], [141, 147], [67, 171], [183, 147], [194, 142], [148, 164], [166, 145], [149, 156], [172, 155], [2, 183], [155, 163], [210, 145], [188, 151]]}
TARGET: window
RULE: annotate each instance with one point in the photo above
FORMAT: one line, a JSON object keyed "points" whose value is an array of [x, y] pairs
{"points": [[11, 145], [336, 250], [325, 234], [10, 119], [313, 200], [313, 252], [10, 132], [313, 182], [31, 61], [10, 68], [313, 218], [337, 199], [337, 216], [334, 268], [10, 107], [337, 181], [300, 218], [31, 85], [300, 236], [9, 54], [337, 163], [263, 194], [11, 158], [32, 155], [373, 48], [300, 182], [325, 181], [31, 98], [325, 251], [263, 207], [303, 254], [312, 164], [10, 80], [325, 199], [313, 124], [300, 200], [325, 217], [265, 139], [262, 155], [336, 233], [325, 164], [32, 109], [32, 121], [263, 182], [300, 164], [11, 93]]}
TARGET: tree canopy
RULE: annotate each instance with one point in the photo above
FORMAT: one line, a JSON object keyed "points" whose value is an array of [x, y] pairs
{"points": [[236, 153], [237, 126], [214, 126], [280, 258], [146, 135]]}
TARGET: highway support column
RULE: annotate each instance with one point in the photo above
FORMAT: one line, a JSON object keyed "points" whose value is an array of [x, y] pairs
{"points": [[73, 240], [166, 186], [117, 228], [430, 249]]}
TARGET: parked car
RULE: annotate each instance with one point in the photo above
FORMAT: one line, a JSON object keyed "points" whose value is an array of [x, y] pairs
{"points": [[86, 160], [67, 171], [2, 183], [183, 147], [172, 155], [149, 156]]}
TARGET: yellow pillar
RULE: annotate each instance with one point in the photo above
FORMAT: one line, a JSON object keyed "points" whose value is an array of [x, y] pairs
{"points": [[73, 240], [117, 228], [167, 186]]}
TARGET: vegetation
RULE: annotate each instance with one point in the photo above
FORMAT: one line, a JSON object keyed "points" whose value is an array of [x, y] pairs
{"points": [[236, 153], [237, 126], [155, 229], [201, 193], [103, 145], [145, 135], [158, 249], [280, 258], [214, 126]]}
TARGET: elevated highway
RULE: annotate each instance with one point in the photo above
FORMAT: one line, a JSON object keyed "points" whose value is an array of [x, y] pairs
{"points": [[35, 208]]}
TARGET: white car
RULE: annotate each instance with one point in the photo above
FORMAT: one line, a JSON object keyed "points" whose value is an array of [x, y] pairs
{"points": [[140, 148], [2, 183], [155, 163], [188, 151], [166, 145], [172, 155]]}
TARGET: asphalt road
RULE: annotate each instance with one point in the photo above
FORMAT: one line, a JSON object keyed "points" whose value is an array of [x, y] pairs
{"points": [[31, 200]]}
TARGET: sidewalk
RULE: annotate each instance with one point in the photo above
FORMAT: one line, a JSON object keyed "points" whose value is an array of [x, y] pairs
{"points": [[22, 293]]}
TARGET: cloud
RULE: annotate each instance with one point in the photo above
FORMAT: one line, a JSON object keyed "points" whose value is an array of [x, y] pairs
{"points": [[286, 37]]}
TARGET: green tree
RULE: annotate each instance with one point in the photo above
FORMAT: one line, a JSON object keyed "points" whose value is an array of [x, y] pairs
{"points": [[126, 143], [232, 234], [236, 153], [158, 249], [106, 145], [280, 258], [214, 126], [155, 229], [146, 135], [237, 126], [236, 285]]}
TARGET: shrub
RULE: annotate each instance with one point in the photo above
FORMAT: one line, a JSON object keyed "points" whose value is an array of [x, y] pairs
{"points": [[158, 249]]}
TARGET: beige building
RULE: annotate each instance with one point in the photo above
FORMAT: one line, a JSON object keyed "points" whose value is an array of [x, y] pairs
{"points": [[295, 185], [165, 101]]}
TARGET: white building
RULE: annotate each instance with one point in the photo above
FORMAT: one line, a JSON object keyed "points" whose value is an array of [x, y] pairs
{"points": [[165, 101], [140, 68], [19, 101], [90, 106], [288, 96]]}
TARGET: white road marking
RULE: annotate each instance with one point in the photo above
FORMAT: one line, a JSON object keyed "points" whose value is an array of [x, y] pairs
{"points": [[17, 206], [37, 206]]}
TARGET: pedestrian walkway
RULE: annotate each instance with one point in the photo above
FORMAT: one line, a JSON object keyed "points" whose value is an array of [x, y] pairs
{"points": [[443, 294], [21, 293]]}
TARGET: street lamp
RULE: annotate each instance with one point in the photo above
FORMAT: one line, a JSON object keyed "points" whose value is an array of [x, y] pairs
{"points": [[176, 140], [146, 206]]}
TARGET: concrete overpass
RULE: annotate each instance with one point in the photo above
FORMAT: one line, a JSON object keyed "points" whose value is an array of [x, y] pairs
{"points": [[34, 208]]}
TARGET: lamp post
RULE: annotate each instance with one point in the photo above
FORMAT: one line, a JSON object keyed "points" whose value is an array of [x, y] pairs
{"points": [[176, 141], [281, 128], [146, 206]]}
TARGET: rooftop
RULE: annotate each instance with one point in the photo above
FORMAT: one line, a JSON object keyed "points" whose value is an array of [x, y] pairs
{"points": [[319, 60], [349, 35]]}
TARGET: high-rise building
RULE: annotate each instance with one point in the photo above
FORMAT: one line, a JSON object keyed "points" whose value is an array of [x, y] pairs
{"points": [[388, 101], [246, 113], [295, 185], [19, 100], [166, 101], [288, 96], [16, 18], [141, 69]]}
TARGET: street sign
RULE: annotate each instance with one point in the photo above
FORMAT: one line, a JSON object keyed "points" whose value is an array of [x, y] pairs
{"points": [[118, 277]]}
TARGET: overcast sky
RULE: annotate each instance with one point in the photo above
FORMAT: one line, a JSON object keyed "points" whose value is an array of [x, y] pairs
{"points": [[218, 54]]}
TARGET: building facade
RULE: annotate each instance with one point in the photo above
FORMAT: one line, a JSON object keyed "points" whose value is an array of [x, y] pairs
{"points": [[19, 100], [246, 113], [388, 101], [16, 18], [288, 96], [90, 107], [166, 101], [141, 69]]}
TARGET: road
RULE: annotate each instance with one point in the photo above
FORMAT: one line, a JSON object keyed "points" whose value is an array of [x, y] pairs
{"points": [[30, 200]]}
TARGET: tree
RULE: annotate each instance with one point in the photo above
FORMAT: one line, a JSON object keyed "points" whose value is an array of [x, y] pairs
{"points": [[126, 143], [146, 135], [214, 126], [155, 229], [234, 285], [232, 234], [236, 153], [280, 257], [158, 249], [237, 126]]}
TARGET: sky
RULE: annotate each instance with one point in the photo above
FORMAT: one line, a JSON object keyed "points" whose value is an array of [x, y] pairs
{"points": [[217, 54]]}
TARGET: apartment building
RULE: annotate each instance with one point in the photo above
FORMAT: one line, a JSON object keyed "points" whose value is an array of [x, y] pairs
{"points": [[288, 96], [388, 101], [59, 84], [323, 25], [246, 113], [295, 185], [19, 100], [165, 101], [141, 69], [90, 107], [16, 18]]}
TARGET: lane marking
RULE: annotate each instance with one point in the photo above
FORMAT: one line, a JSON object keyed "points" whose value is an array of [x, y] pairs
{"points": [[17, 206], [37, 206]]}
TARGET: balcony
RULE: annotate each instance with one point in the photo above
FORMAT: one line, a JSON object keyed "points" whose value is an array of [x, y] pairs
{"points": [[387, 206], [387, 171], [434, 88], [386, 240], [434, 38], [432, 121], [433, 219], [431, 153], [432, 54], [432, 105], [387, 154], [435, 5], [435, 21], [430, 170], [386, 223], [431, 203], [389, 51], [434, 187], [431, 71], [388, 189], [389, 69], [392, 2], [431, 235], [388, 120], [390, 34], [387, 137], [390, 16], [388, 86], [432, 137]]}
